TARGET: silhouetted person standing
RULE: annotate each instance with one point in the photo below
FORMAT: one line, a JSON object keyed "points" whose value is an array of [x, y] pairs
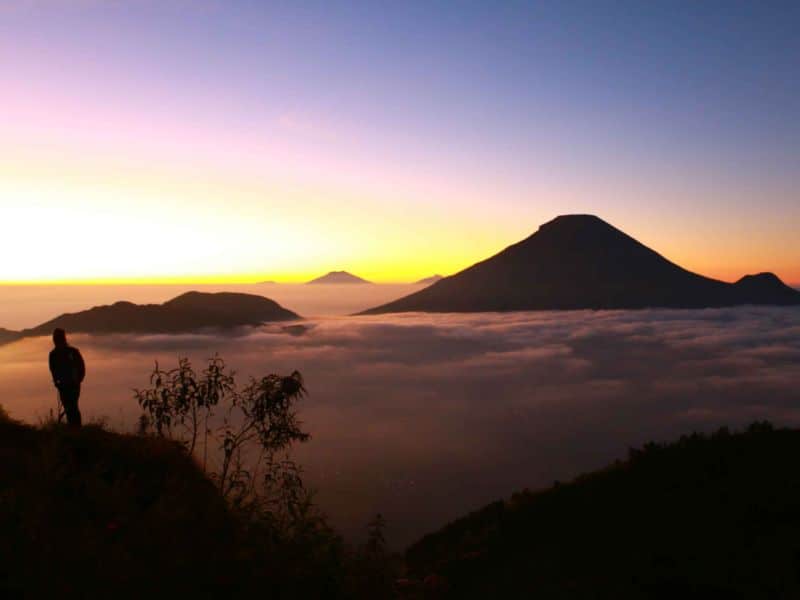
{"points": [[68, 370]]}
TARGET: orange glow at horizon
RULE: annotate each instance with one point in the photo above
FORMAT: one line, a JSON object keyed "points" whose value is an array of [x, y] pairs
{"points": [[82, 214], [179, 226]]}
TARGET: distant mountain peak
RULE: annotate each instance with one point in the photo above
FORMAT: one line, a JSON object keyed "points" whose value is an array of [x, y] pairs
{"points": [[338, 277], [761, 278], [188, 312], [430, 280], [762, 288], [570, 225]]}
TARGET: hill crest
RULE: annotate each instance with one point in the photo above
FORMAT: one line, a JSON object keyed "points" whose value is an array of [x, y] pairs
{"points": [[680, 517], [188, 312]]}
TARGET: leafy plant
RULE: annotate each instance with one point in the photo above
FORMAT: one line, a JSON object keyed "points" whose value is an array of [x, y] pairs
{"points": [[243, 435], [239, 431]]}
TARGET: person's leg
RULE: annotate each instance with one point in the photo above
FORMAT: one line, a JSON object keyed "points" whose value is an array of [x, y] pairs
{"points": [[78, 418], [69, 397]]}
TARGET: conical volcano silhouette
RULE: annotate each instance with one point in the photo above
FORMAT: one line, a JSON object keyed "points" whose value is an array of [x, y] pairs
{"points": [[338, 277], [582, 262]]}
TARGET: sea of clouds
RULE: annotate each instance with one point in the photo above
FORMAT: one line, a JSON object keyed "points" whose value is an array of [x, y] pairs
{"points": [[425, 417]]}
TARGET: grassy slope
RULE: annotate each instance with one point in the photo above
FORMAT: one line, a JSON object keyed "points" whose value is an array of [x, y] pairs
{"points": [[700, 518], [84, 513], [97, 514]]}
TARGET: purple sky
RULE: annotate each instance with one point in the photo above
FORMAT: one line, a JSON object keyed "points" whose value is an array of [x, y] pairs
{"points": [[392, 139]]}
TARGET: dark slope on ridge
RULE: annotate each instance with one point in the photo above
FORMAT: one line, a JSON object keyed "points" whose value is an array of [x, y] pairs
{"points": [[582, 262], [188, 312], [6, 336], [92, 514], [704, 517]]}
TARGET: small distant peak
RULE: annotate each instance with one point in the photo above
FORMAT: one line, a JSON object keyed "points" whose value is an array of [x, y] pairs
{"points": [[765, 277], [761, 281], [339, 277], [430, 280]]}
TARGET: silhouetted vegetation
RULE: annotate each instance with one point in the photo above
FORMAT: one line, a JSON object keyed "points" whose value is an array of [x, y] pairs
{"points": [[242, 429], [241, 434], [705, 517]]}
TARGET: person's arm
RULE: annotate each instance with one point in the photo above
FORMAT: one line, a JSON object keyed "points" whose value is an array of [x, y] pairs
{"points": [[81, 366], [52, 363]]}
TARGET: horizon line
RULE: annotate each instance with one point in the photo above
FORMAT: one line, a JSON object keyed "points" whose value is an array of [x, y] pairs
{"points": [[192, 280], [222, 280]]}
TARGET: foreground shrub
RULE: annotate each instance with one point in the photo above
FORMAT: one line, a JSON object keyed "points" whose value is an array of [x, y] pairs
{"points": [[241, 436]]}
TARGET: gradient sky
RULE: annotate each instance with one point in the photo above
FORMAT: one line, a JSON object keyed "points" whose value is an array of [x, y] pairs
{"points": [[245, 140]]}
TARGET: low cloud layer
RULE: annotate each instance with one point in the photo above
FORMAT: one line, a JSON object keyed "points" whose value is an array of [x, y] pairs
{"points": [[424, 417]]}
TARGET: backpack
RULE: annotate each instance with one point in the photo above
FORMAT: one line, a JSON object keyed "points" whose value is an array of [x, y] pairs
{"points": [[77, 370]]}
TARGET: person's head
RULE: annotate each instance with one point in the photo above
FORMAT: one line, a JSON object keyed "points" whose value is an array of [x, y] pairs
{"points": [[59, 337]]}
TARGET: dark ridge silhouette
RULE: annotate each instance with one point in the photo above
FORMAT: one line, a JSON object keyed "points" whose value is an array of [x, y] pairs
{"points": [[704, 517], [582, 262], [430, 280], [188, 312], [6, 335], [338, 277]]}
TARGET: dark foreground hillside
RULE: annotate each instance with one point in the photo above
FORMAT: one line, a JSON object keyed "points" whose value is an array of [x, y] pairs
{"points": [[94, 514], [705, 517]]}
